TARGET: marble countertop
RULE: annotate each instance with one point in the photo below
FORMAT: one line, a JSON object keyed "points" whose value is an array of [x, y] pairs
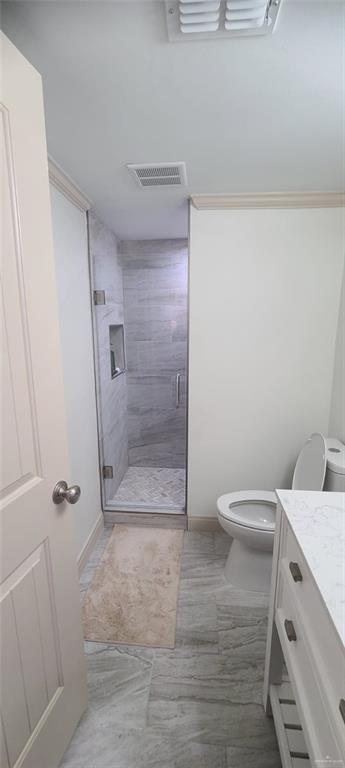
{"points": [[318, 522]]}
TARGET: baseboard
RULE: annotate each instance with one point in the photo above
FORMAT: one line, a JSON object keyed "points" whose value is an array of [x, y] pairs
{"points": [[154, 520], [90, 543], [204, 524]]}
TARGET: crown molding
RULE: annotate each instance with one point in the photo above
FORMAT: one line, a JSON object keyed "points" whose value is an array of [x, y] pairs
{"points": [[269, 200], [64, 184]]}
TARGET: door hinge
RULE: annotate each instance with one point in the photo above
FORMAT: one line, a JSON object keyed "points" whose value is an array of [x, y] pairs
{"points": [[108, 472], [99, 297]]}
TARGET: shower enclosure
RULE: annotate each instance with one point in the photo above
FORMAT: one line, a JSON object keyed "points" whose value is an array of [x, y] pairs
{"points": [[140, 332]]}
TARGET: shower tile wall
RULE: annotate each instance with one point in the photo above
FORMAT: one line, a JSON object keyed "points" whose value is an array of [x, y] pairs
{"points": [[155, 308], [112, 396]]}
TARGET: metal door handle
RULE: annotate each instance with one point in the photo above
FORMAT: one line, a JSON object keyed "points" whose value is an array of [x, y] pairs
{"points": [[177, 390], [295, 571], [290, 630], [62, 493], [342, 708]]}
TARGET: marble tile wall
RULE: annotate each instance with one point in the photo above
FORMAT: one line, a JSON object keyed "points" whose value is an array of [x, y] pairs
{"points": [[106, 274], [155, 309]]}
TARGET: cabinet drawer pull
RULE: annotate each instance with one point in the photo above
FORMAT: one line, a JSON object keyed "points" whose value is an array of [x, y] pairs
{"points": [[290, 630], [342, 708], [295, 571]]}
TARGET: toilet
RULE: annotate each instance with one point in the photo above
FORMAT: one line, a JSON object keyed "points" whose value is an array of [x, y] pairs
{"points": [[249, 516]]}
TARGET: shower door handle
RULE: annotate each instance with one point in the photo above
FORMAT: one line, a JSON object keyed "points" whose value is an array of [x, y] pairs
{"points": [[177, 390]]}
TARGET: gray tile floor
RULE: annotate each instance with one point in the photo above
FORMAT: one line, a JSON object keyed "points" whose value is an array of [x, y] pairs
{"points": [[198, 706], [151, 486]]}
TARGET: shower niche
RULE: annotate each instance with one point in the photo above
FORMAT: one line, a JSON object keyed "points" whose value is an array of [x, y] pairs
{"points": [[117, 350]]}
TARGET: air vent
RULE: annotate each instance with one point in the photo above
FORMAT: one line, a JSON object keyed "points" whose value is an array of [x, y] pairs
{"points": [[199, 16], [245, 14], [159, 175], [207, 19]]}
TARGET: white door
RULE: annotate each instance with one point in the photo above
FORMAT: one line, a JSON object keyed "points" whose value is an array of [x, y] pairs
{"points": [[43, 685]]}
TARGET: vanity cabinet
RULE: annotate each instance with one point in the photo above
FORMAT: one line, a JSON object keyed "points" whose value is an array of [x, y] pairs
{"points": [[304, 685]]}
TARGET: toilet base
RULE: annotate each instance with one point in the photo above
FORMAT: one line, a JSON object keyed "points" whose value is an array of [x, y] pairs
{"points": [[248, 568]]}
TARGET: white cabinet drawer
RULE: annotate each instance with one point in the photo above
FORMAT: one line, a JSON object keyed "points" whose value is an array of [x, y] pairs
{"points": [[323, 743], [325, 650]]}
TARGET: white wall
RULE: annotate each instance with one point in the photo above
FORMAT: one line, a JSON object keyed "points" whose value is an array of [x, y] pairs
{"points": [[337, 415], [264, 301], [71, 256]]}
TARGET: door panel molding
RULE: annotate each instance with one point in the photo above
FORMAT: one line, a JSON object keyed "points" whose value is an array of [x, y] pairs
{"points": [[17, 352]]}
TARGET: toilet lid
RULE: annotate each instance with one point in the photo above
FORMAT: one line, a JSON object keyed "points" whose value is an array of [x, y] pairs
{"points": [[310, 469], [253, 509]]}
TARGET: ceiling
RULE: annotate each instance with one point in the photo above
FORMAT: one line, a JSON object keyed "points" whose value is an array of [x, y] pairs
{"points": [[247, 115]]}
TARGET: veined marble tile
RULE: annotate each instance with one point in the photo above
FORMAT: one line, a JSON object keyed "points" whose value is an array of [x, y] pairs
{"points": [[222, 543], [164, 428], [214, 722], [155, 291], [168, 282], [144, 749], [204, 677], [196, 629], [199, 543], [153, 314], [147, 392], [159, 357], [227, 595], [110, 313], [161, 422], [135, 252], [106, 267], [156, 454], [147, 330], [118, 682], [241, 757], [242, 631], [178, 457], [198, 706], [201, 574], [153, 455], [155, 436]]}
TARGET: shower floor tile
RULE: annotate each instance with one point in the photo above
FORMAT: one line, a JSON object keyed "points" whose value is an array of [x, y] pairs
{"points": [[151, 487]]}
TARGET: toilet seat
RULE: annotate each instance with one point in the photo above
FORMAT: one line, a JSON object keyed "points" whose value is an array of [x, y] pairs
{"points": [[249, 509], [310, 468]]}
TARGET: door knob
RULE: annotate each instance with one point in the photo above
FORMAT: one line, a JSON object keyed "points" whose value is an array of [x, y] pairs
{"points": [[62, 493]]}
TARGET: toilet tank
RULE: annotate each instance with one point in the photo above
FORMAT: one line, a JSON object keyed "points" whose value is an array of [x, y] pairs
{"points": [[335, 471]]}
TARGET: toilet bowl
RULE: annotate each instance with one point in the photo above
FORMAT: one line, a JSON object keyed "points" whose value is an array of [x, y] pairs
{"points": [[249, 516]]}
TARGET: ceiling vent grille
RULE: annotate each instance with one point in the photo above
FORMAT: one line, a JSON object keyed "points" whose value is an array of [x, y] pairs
{"points": [[195, 17], [207, 19], [245, 14], [159, 174]]}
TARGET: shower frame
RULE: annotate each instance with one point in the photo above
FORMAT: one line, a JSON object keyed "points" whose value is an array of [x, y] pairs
{"points": [[137, 514]]}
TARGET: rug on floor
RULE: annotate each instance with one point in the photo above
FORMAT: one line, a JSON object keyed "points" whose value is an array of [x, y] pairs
{"points": [[133, 595]]}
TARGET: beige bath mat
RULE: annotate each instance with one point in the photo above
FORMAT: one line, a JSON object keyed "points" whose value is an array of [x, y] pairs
{"points": [[133, 595]]}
